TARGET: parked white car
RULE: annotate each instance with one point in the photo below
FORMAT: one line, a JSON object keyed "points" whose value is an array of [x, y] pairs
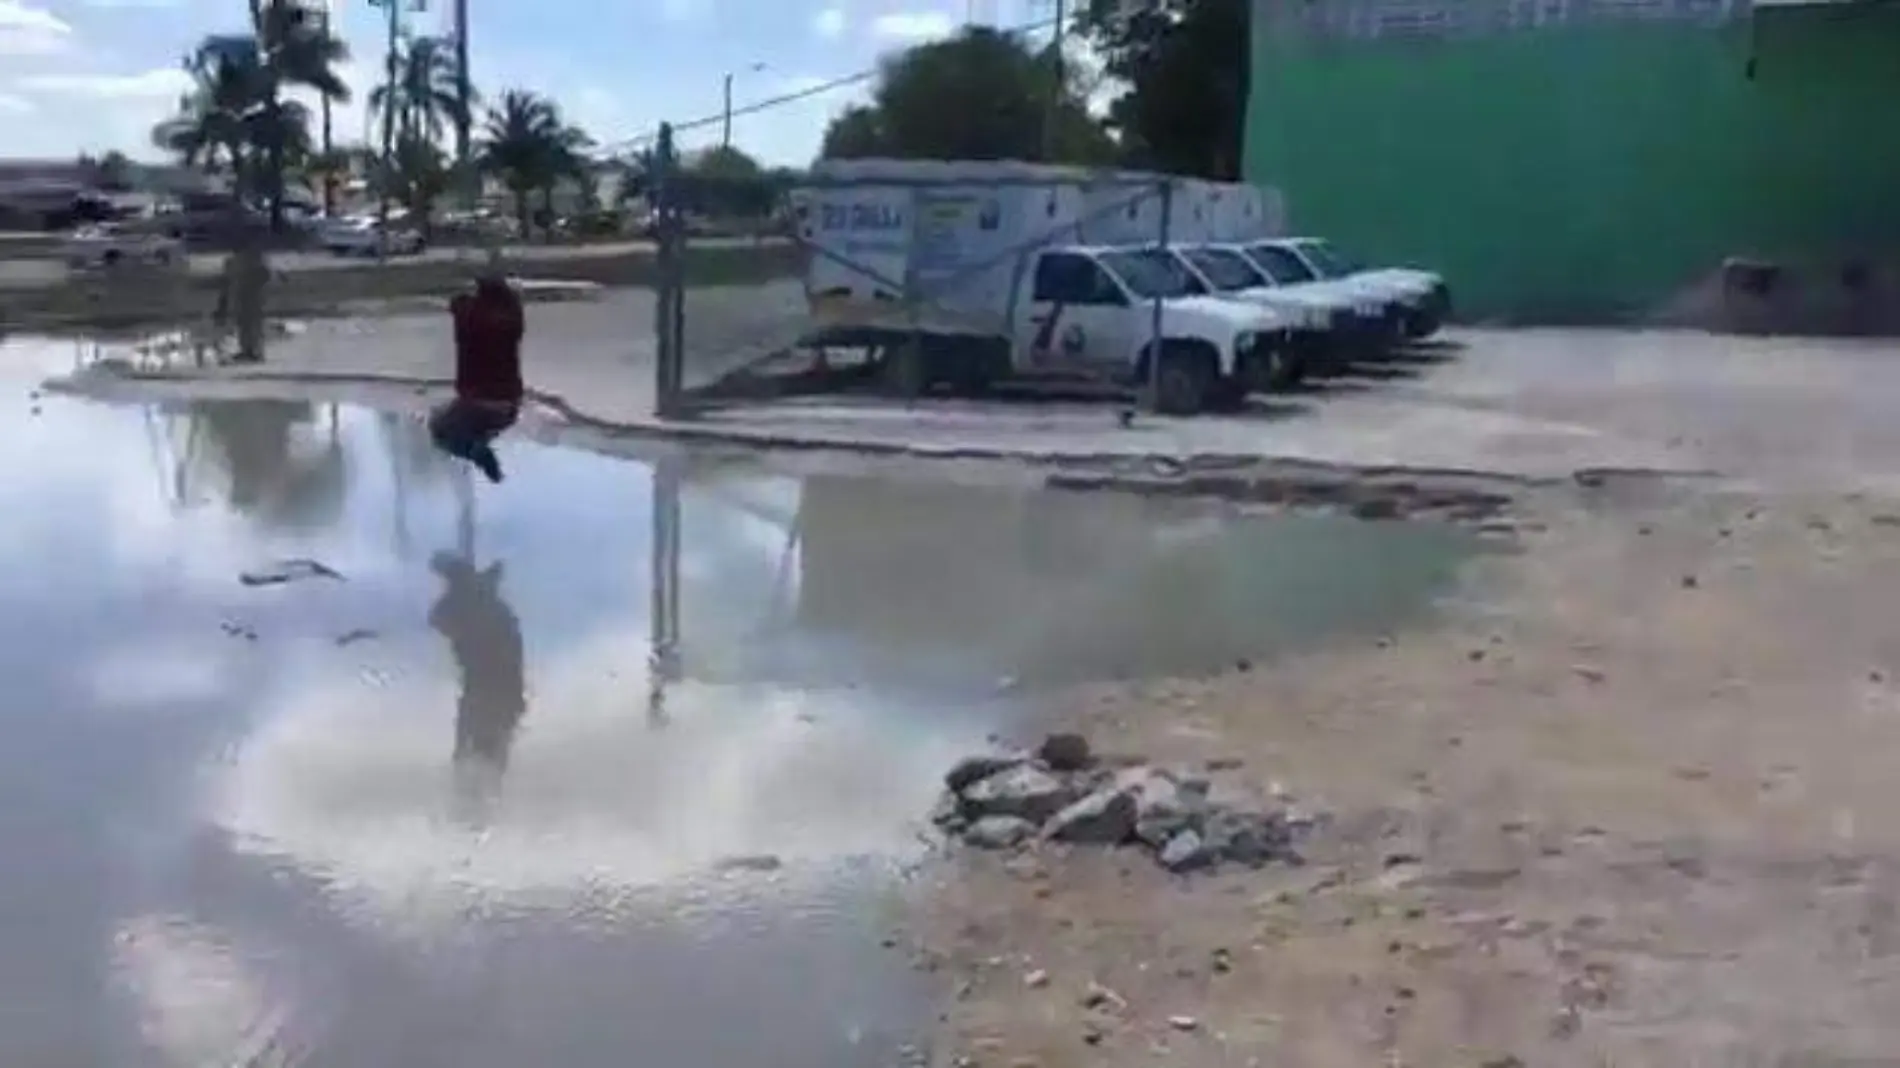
{"points": [[103, 246], [1424, 295], [364, 237]]}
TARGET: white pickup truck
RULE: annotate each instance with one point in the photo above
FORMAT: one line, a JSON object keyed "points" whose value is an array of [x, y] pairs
{"points": [[1423, 297], [1331, 322], [955, 279]]}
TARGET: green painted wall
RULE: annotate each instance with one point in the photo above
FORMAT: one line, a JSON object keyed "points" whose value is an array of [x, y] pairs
{"points": [[1589, 172]]}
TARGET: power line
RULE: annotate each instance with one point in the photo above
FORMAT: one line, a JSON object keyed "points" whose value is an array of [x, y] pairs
{"points": [[618, 147]]}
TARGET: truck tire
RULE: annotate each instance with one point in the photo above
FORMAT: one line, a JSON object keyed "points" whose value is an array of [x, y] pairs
{"points": [[1187, 379], [906, 371], [1421, 324]]}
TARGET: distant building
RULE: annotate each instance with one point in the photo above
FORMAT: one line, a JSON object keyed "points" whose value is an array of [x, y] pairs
{"points": [[34, 190], [1582, 159]]}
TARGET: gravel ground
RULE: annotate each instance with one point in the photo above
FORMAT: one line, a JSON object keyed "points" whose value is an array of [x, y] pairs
{"points": [[1622, 804]]}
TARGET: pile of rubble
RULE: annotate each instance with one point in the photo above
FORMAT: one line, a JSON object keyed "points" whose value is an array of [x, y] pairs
{"points": [[1063, 793]]}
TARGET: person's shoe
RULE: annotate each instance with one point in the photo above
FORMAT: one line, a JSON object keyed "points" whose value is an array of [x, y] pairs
{"points": [[489, 464]]}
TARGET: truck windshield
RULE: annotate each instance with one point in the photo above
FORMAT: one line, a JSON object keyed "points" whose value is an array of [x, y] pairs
{"points": [[1281, 263], [1228, 270], [1329, 259], [1150, 273]]}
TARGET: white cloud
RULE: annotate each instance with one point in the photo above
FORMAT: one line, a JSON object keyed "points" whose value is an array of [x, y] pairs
{"points": [[356, 784], [14, 105], [829, 22], [31, 31], [162, 83], [912, 25]]}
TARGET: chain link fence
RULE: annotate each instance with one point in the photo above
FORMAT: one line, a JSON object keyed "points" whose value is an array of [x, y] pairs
{"points": [[907, 280]]}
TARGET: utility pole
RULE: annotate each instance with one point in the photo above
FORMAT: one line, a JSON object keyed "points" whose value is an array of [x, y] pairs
{"points": [[725, 116], [329, 164], [392, 90], [725, 111], [1058, 89], [464, 92]]}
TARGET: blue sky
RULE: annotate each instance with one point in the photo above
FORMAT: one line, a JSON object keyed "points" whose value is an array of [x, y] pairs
{"points": [[92, 75]]}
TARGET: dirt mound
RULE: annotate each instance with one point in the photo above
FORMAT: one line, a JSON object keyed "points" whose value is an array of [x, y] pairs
{"points": [[1747, 296]]}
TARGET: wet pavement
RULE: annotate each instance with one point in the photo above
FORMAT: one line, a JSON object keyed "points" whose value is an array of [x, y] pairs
{"points": [[611, 762]]}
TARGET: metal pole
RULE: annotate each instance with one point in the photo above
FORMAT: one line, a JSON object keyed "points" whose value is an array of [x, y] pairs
{"points": [[391, 90], [1154, 322], [464, 93], [329, 146], [663, 579], [1052, 111], [725, 115], [665, 337]]}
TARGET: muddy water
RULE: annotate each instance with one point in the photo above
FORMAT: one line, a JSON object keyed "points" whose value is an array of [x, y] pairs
{"points": [[608, 764]]}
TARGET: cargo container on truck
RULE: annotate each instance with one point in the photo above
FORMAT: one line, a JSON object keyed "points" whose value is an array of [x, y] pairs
{"points": [[963, 273]]}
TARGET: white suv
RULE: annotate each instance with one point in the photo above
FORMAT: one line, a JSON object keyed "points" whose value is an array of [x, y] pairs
{"points": [[364, 237], [106, 245]]}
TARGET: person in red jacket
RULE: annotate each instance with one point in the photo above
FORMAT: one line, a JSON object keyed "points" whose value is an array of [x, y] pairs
{"points": [[488, 329]]}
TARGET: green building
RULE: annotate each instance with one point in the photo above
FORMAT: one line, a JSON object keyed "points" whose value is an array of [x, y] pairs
{"points": [[1576, 160]]}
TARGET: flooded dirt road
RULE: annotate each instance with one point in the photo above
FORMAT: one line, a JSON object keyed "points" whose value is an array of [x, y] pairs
{"points": [[612, 763]]}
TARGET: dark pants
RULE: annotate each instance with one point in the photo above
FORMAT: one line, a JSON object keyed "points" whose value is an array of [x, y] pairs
{"points": [[467, 428]]}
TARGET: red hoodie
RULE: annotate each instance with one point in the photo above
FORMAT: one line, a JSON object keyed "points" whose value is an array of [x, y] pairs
{"points": [[488, 328]]}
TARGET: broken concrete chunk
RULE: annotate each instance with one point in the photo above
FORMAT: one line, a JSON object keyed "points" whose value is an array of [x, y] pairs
{"points": [[1186, 851], [999, 832], [948, 814], [1022, 791], [1064, 792], [974, 769], [1247, 838], [1163, 809], [1065, 752], [1105, 817]]}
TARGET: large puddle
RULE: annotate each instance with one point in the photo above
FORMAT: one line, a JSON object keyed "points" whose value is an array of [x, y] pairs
{"points": [[612, 763]]}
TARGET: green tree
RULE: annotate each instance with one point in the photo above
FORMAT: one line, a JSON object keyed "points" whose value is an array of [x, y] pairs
{"points": [[295, 50], [530, 148], [111, 172], [426, 94], [725, 181], [514, 146], [208, 131], [419, 175], [276, 462], [235, 118], [981, 94], [1186, 65], [856, 133]]}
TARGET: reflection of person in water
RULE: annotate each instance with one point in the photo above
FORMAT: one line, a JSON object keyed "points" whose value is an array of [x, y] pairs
{"points": [[485, 638]]}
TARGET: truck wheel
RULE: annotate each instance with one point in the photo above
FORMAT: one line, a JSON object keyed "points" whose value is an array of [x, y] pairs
{"points": [[906, 371], [1186, 381], [1421, 324]]}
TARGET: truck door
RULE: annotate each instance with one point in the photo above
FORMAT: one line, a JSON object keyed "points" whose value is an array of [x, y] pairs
{"points": [[1079, 319]]}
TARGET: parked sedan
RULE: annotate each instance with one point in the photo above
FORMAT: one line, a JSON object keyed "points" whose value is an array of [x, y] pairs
{"points": [[365, 237], [95, 247]]}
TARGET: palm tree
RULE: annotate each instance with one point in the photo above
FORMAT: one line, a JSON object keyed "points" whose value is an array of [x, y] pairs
{"points": [[426, 92], [269, 461], [418, 176], [295, 48], [567, 162], [236, 115], [209, 132], [518, 146]]}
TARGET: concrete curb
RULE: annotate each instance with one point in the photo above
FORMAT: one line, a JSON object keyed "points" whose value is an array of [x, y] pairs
{"points": [[1229, 475]]}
